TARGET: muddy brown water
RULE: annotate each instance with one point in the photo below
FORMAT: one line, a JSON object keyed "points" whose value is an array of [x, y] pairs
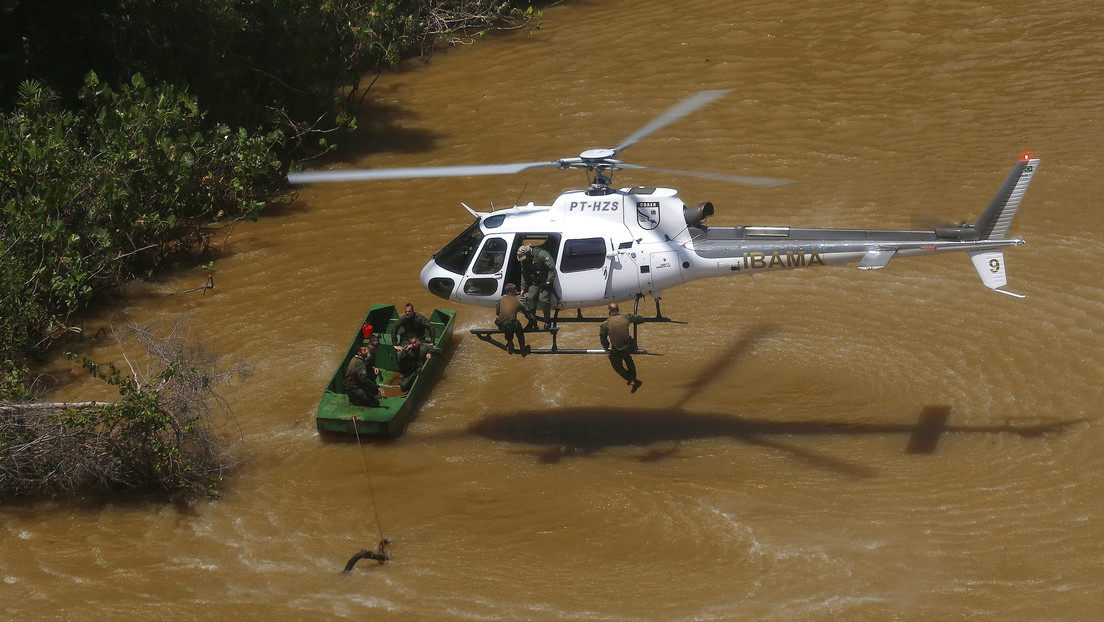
{"points": [[895, 444]]}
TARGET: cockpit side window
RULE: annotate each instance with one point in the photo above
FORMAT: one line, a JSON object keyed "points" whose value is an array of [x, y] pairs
{"points": [[491, 257], [457, 254]]}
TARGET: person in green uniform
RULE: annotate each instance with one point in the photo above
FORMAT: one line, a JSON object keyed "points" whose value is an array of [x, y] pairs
{"points": [[615, 338], [538, 274], [410, 324], [507, 309], [412, 358], [360, 378]]}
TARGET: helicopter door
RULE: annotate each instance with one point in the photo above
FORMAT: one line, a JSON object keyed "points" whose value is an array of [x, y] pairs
{"points": [[547, 241], [584, 270], [484, 278]]}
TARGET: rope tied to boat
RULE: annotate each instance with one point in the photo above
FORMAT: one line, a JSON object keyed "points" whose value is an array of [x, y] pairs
{"points": [[380, 554]]}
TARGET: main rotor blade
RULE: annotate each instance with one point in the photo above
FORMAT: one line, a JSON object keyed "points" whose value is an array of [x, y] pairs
{"points": [[761, 182], [674, 113], [310, 177]]}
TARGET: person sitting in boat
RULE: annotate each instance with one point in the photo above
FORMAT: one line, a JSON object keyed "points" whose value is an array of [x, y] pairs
{"points": [[361, 374], [412, 358], [373, 350], [410, 324]]}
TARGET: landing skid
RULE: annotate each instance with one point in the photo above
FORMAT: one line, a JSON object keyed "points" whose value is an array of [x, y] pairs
{"points": [[659, 317], [485, 334], [579, 317]]}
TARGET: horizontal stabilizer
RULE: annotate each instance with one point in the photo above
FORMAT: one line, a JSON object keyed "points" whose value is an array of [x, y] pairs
{"points": [[876, 258]]}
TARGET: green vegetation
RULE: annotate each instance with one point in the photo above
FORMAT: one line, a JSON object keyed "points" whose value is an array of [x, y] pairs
{"points": [[156, 435], [95, 196], [130, 128]]}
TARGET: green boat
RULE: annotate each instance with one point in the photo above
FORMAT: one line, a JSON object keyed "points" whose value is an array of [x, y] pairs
{"points": [[389, 419]]}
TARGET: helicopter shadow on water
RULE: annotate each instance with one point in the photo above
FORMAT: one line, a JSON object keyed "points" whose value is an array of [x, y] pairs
{"points": [[566, 432]]}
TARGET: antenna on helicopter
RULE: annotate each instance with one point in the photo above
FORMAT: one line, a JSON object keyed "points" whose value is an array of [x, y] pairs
{"points": [[520, 193]]}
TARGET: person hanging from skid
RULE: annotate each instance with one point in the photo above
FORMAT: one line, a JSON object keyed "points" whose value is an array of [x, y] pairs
{"points": [[615, 338]]}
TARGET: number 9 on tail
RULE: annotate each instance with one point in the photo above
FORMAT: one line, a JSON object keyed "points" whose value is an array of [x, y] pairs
{"points": [[990, 267]]}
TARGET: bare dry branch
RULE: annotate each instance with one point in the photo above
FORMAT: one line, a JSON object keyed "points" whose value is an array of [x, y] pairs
{"points": [[158, 434]]}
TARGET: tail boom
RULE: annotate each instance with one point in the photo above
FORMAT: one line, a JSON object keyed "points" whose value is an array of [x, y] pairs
{"points": [[723, 250]]}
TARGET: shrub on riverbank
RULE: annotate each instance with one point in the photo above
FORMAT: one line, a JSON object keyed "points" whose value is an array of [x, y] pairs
{"points": [[128, 130], [192, 115], [96, 195], [156, 436]]}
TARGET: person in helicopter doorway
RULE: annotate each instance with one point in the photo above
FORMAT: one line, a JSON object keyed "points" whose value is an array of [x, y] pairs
{"points": [[410, 324], [412, 358], [615, 338], [538, 274], [361, 374], [507, 309]]}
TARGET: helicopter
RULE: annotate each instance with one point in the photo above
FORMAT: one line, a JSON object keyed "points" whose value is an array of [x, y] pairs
{"points": [[615, 244]]}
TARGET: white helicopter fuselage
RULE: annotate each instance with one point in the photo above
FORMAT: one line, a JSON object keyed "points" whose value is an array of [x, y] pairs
{"points": [[613, 245]]}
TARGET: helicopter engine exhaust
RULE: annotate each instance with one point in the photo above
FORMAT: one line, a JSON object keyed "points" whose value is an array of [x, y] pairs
{"points": [[696, 215]]}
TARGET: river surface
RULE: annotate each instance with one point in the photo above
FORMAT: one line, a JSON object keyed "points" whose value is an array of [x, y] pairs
{"points": [[825, 444]]}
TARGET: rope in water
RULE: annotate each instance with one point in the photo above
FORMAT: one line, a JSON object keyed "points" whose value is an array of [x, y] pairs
{"points": [[367, 478], [380, 554]]}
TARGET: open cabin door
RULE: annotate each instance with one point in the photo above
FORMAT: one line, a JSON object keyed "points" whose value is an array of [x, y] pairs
{"points": [[496, 264]]}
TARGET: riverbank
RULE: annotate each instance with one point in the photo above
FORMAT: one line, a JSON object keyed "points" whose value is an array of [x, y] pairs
{"points": [[128, 171], [120, 173]]}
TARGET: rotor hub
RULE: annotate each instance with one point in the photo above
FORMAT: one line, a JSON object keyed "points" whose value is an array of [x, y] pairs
{"points": [[597, 155]]}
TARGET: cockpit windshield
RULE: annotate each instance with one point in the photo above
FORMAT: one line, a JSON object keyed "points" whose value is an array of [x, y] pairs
{"points": [[457, 254]]}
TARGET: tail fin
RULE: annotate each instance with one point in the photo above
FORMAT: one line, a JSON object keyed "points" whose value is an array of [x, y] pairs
{"points": [[995, 222]]}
